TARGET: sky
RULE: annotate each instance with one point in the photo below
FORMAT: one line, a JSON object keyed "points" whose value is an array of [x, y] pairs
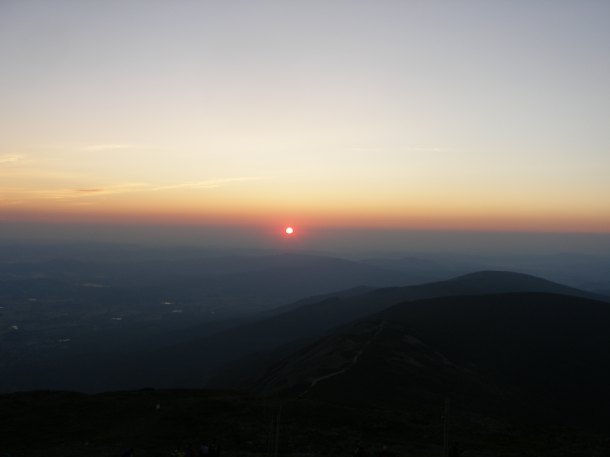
{"points": [[361, 115]]}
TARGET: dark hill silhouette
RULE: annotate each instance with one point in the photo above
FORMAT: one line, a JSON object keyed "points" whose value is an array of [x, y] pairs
{"points": [[312, 320], [519, 351], [516, 282]]}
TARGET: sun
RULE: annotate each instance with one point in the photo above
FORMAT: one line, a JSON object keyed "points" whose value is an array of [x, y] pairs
{"points": [[289, 230]]}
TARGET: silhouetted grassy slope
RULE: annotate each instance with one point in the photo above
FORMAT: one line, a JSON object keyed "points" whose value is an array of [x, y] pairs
{"points": [[314, 319], [488, 352], [552, 347], [63, 424]]}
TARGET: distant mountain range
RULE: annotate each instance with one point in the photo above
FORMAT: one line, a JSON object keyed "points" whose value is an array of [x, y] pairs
{"points": [[256, 283], [231, 354]]}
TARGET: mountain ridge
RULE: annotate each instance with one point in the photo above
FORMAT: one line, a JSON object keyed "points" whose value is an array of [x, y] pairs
{"points": [[523, 352], [313, 319]]}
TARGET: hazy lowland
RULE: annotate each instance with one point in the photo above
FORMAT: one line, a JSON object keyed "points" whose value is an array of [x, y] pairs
{"points": [[110, 346]]}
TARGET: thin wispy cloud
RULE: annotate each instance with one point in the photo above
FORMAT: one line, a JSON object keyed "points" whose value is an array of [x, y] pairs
{"points": [[436, 149], [426, 149], [66, 194], [86, 192], [5, 201], [10, 158], [110, 147], [365, 149], [90, 191], [209, 184]]}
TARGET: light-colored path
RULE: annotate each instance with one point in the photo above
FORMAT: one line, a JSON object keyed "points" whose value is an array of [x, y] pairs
{"points": [[350, 365]]}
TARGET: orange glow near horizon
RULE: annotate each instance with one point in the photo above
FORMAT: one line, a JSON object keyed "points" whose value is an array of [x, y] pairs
{"points": [[335, 124], [407, 219], [253, 202], [439, 200]]}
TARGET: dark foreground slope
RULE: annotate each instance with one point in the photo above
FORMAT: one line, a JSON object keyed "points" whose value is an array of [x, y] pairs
{"points": [[509, 354], [63, 424]]}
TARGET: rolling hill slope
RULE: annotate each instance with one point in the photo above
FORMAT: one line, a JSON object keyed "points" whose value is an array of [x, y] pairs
{"points": [[314, 319], [515, 351]]}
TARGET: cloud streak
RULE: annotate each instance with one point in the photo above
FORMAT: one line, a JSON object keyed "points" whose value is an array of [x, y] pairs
{"points": [[126, 188], [10, 158], [63, 194], [88, 195], [110, 147], [209, 184], [90, 191], [403, 149], [427, 149]]}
